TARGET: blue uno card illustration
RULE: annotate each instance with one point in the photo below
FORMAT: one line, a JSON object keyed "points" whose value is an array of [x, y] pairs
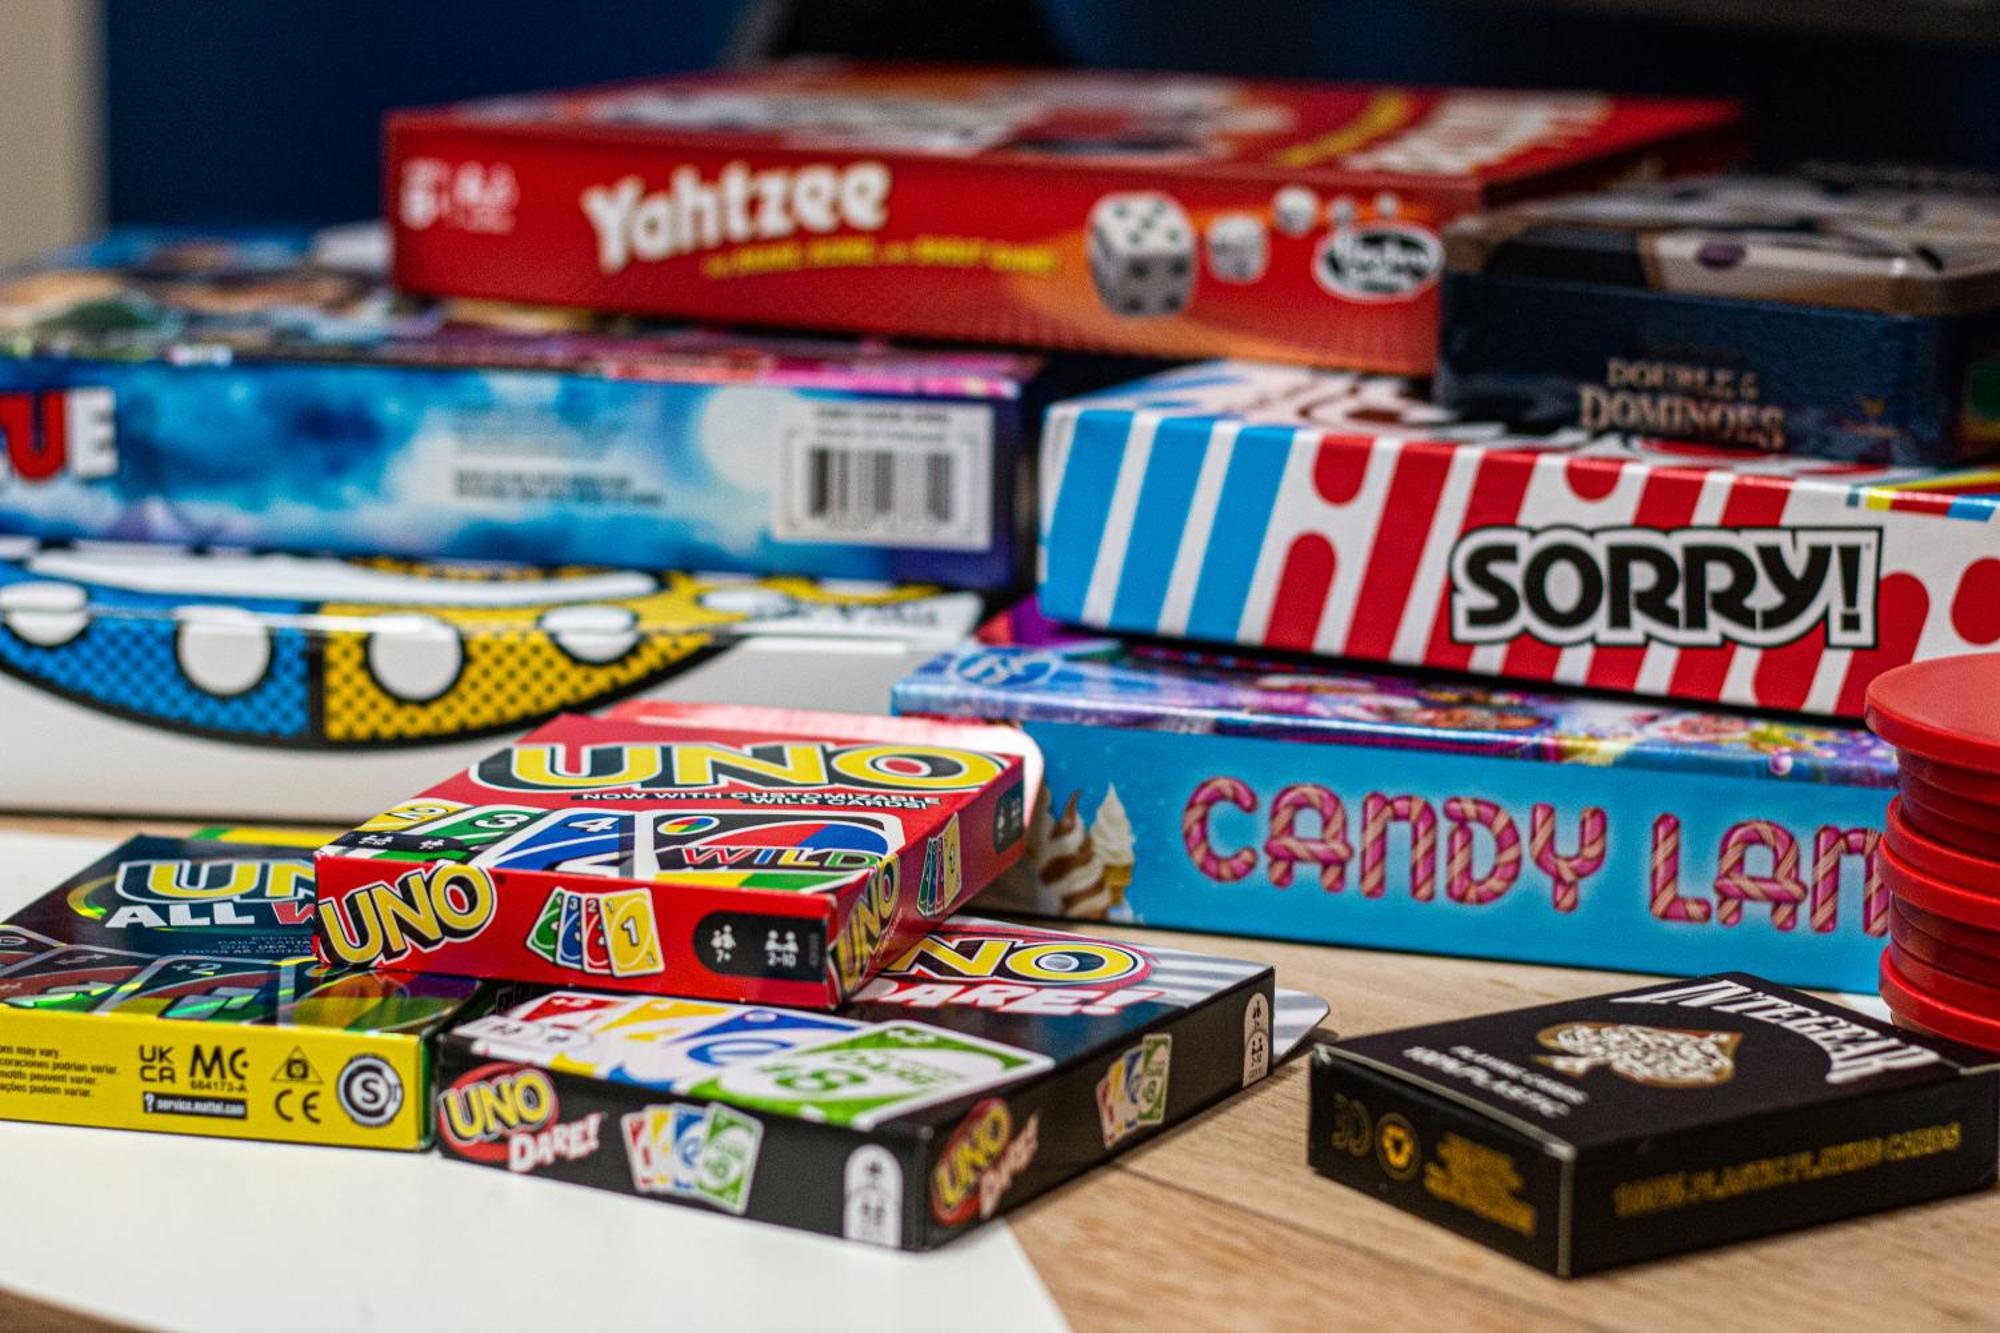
{"points": [[569, 932], [591, 842], [745, 1034]]}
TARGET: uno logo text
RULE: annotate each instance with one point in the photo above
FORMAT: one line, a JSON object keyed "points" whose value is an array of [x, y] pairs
{"points": [[774, 765], [421, 910]]}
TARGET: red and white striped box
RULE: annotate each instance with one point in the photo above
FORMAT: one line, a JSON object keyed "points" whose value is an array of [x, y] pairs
{"points": [[1341, 515]]}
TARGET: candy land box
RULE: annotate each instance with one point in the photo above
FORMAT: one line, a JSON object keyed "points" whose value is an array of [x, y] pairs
{"points": [[1589, 1133], [1344, 516], [1153, 214], [150, 680], [767, 855], [1294, 800], [171, 986], [270, 390], [987, 1064]]}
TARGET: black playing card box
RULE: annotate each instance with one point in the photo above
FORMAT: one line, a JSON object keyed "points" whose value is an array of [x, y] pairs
{"points": [[1586, 1134]]}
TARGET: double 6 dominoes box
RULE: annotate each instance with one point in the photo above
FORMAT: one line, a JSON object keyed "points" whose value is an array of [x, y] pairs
{"points": [[170, 986], [1162, 215], [752, 854]]}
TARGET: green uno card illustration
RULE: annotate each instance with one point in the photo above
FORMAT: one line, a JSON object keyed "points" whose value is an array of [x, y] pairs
{"points": [[868, 1076], [542, 936], [727, 1164]]}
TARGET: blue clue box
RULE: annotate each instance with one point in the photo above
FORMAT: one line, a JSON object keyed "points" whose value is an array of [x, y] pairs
{"points": [[264, 391], [1300, 802]]}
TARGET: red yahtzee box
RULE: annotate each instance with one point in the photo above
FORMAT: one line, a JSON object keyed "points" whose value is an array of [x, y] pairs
{"points": [[749, 854], [1161, 214]]}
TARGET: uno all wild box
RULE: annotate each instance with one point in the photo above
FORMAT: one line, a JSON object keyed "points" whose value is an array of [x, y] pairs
{"points": [[1159, 215], [1218, 792], [985, 1065], [1590, 1133], [704, 851], [1345, 516], [171, 986], [260, 390], [258, 685], [1852, 320]]}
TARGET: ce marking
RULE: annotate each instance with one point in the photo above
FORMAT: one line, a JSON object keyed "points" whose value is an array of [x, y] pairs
{"points": [[307, 1105]]}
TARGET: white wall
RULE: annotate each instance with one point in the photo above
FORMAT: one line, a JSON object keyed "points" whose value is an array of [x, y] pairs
{"points": [[50, 169]]}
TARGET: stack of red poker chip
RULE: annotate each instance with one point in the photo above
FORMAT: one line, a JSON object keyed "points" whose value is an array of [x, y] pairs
{"points": [[1940, 855]]}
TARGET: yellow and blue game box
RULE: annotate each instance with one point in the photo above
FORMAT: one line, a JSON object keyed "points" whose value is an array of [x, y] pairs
{"points": [[170, 986]]}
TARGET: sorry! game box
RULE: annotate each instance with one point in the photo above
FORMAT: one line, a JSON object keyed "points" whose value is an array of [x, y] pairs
{"points": [[706, 851], [985, 1065], [171, 986]]}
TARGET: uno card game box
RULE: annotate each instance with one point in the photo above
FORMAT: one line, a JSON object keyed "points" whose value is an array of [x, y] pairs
{"points": [[1300, 801], [1345, 516], [1157, 215], [138, 679], [765, 855], [171, 987], [258, 391], [1770, 313], [987, 1064], [1590, 1133]]}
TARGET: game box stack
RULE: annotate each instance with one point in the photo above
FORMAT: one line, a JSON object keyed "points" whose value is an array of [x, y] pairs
{"points": [[1345, 516], [1227, 792], [272, 391], [1941, 855], [154, 680], [1153, 214], [767, 855], [171, 987]]}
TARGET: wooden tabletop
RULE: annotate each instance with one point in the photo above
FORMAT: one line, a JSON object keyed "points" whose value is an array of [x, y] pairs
{"points": [[1220, 1223]]}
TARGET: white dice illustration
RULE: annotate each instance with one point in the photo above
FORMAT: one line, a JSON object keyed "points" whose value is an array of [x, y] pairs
{"points": [[1238, 248], [1295, 208], [1142, 256]]}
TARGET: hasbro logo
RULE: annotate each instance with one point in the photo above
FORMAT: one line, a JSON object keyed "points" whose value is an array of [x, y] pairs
{"points": [[1006, 669]]}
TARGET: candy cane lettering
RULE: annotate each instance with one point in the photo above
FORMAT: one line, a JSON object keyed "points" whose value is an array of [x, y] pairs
{"points": [[1830, 847], [1377, 813], [1566, 873], [1665, 899], [1460, 885], [1285, 849], [1194, 829], [1734, 884]]}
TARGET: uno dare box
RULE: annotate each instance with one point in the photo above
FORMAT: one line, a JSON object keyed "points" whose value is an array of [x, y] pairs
{"points": [[767, 855], [1775, 313], [1161, 215], [171, 987], [986, 1065], [1343, 516], [260, 391], [1292, 800], [151, 680], [1590, 1133]]}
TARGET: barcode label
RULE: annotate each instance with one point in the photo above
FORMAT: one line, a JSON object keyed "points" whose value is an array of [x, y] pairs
{"points": [[887, 474]]}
